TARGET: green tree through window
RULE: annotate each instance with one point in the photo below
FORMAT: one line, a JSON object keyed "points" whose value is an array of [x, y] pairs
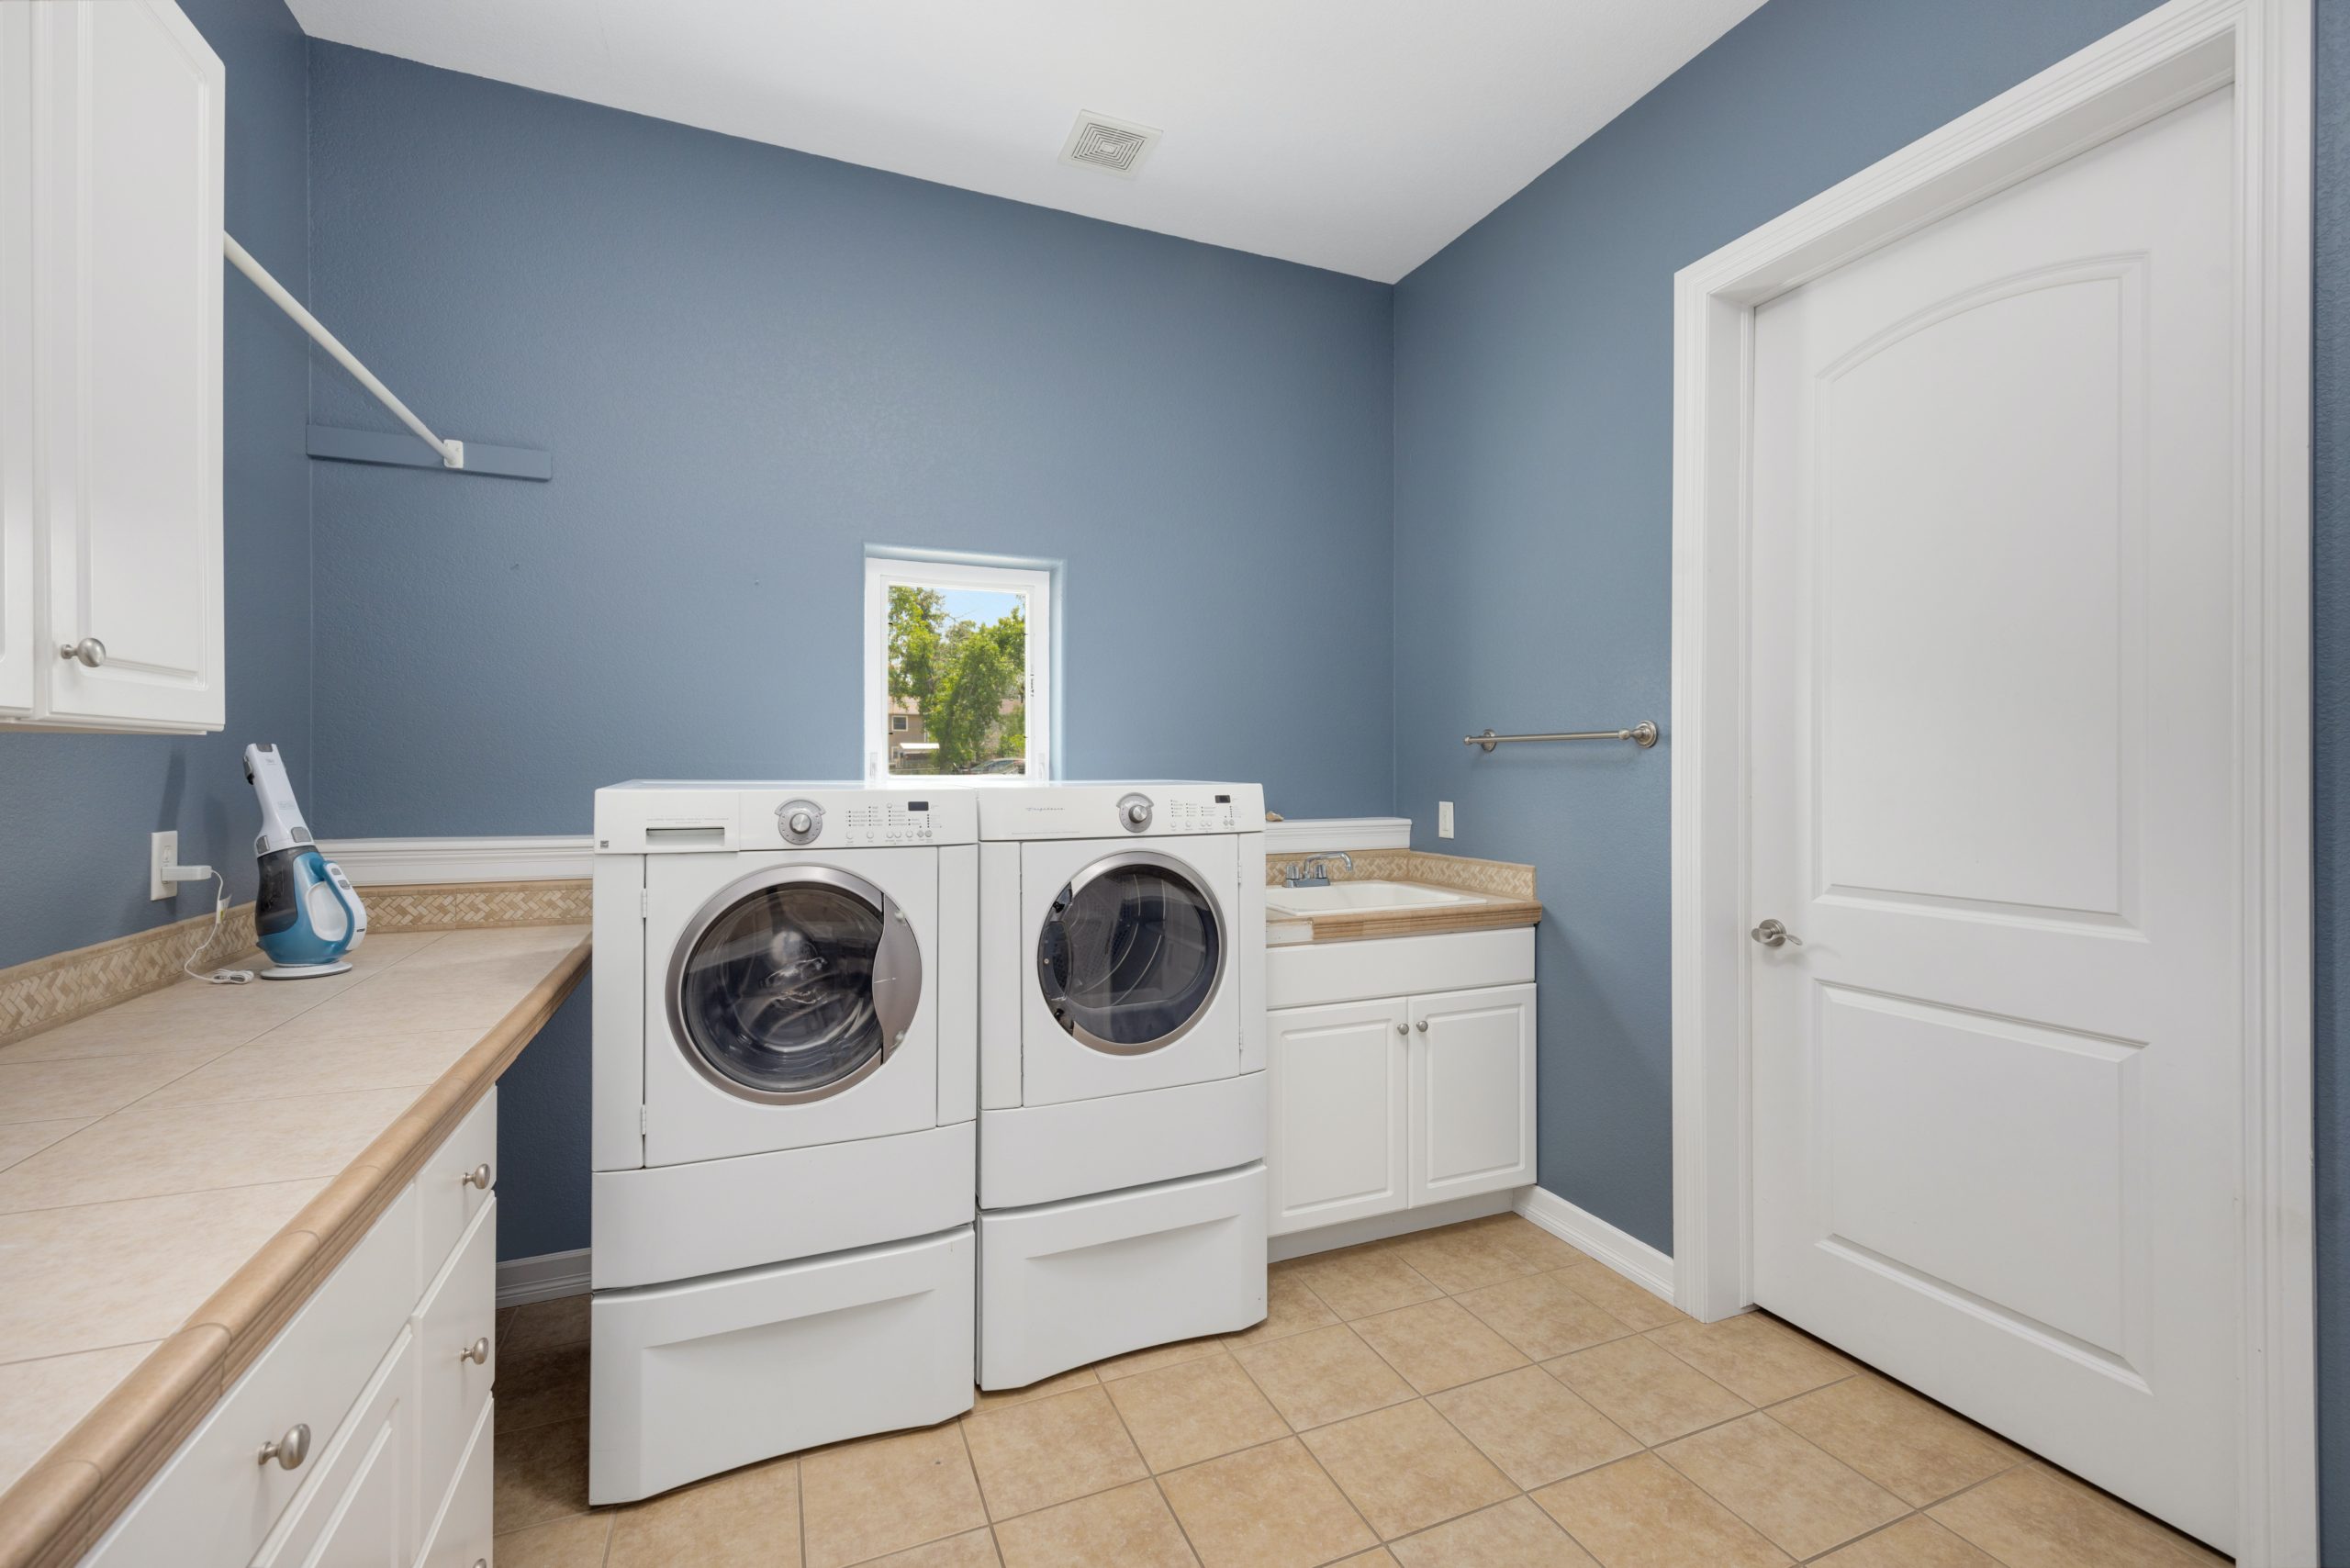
{"points": [[965, 679]]}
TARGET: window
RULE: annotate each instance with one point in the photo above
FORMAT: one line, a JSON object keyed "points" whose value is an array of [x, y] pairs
{"points": [[957, 660]]}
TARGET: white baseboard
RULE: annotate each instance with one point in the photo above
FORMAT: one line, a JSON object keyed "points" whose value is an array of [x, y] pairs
{"points": [[1307, 835], [380, 862], [1619, 1249], [1378, 1228], [543, 1278]]}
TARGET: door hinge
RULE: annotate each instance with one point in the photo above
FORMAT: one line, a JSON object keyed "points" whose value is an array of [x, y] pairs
{"points": [[643, 903], [643, 1122]]}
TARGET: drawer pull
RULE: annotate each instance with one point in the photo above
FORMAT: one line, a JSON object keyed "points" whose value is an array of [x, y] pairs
{"points": [[1421, 1024], [289, 1451], [477, 1177], [478, 1353]]}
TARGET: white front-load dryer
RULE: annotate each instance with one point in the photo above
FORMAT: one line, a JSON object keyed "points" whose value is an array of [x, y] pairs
{"points": [[785, 994], [1122, 1128]]}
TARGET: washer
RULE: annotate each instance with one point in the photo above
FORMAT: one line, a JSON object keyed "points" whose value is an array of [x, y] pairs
{"points": [[1121, 1054], [785, 991]]}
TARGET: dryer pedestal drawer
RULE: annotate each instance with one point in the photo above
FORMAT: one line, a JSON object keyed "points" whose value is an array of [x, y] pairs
{"points": [[688, 1380], [1065, 1284]]}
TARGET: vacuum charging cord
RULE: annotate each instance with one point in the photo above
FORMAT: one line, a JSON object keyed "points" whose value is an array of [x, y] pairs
{"points": [[220, 913]]}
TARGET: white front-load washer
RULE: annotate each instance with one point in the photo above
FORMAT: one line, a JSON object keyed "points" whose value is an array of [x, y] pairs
{"points": [[785, 992], [1121, 1054]]}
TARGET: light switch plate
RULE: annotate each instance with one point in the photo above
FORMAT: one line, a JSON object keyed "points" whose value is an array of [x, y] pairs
{"points": [[1444, 819]]}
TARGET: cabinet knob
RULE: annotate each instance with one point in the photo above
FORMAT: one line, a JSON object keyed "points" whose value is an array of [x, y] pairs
{"points": [[478, 1353], [89, 651], [1400, 1029], [477, 1177], [289, 1451], [1421, 1024]]}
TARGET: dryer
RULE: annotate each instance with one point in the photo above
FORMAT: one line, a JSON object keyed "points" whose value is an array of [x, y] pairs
{"points": [[1121, 1054], [785, 994]]}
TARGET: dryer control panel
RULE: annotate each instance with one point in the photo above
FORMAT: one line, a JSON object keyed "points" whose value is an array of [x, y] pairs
{"points": [[1149, 810]]}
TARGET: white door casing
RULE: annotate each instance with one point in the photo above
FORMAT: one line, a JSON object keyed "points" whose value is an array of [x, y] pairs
{"points": [[1884, 1034], [1995, 1141]]}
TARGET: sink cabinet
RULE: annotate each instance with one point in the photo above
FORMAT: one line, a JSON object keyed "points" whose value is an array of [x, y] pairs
{"points": [[1411, 1095]]}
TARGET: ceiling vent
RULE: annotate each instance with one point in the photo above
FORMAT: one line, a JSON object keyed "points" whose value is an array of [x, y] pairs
{"points": [[1114, 146]]}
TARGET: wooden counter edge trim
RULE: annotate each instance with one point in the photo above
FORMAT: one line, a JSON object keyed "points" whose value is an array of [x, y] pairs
{"points": [[54, 1513], [1360, 926]]}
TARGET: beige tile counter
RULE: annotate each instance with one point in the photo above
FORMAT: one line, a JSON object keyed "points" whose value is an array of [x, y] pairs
{"points": [[177, 1172]]}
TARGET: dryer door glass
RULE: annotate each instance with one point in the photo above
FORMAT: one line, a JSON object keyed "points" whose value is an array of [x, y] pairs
{"points": [[1131, 953], [795, 987]]}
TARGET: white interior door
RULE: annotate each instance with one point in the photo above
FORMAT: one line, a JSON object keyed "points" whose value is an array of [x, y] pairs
{"points": [[1993, 669]]}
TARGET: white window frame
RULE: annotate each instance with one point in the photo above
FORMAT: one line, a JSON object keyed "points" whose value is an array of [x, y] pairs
{"points": [[884, 571]]}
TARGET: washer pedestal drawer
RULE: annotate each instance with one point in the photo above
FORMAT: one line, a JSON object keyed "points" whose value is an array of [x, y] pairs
{"points": [[688, 1380], [1068, 1283]]}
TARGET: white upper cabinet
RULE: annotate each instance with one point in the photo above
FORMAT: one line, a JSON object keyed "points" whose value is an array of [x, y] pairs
{"points": [[111, 131]]}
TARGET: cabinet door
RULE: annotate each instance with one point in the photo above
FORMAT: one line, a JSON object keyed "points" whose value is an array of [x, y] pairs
{"points": [[127, 195], [17, 591], [1334, 1145], [357, 1511], [1472, 1093]]}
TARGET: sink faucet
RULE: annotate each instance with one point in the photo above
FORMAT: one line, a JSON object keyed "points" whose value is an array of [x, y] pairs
{"points": [[1313, 871]]}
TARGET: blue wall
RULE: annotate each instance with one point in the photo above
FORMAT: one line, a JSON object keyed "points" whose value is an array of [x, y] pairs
{"points": [[749, 363], [77, 808], [1533, 503], [2331, 629]]}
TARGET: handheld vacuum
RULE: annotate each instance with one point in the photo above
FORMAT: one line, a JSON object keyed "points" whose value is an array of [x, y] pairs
{"points": [[308, 915]]}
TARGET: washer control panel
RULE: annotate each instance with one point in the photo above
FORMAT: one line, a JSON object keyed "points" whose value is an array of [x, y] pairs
{"points": [[887, 820]]}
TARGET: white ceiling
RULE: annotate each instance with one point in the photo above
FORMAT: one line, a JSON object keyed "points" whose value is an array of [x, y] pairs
{"points": [[1358, 135]]}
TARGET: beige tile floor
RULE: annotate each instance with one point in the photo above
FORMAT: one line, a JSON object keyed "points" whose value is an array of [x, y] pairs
{"points": [[1480, 1397]]}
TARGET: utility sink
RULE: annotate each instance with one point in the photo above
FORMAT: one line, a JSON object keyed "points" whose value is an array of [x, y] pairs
{"points": [[1349, 897]]}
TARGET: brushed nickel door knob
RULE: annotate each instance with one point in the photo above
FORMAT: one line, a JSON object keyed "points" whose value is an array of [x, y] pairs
{"points": [[1771, 934], [478, 1353], [89, 652], [289, 1451], [477, 1177], [1421, 1024]]}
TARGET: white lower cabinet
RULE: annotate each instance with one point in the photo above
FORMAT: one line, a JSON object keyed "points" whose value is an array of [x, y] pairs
{"points": [[1472, 1093], [1382, 1102], [1340, 1116], [360, 1437]]}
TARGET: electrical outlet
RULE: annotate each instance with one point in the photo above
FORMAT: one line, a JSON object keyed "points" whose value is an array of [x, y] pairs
{"points": [[163, 853], [1444, 819]]}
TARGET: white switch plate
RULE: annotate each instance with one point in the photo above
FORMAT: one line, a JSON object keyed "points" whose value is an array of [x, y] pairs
{"points": [[162, 850], [1444, 819]]}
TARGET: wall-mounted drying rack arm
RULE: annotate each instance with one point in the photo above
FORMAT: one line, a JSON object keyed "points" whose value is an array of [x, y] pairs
{"points": [[1643, 734], [453, 453]]}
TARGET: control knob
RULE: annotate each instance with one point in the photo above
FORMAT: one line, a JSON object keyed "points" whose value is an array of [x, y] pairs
{"points": [[800, 821], [1134, 813]]}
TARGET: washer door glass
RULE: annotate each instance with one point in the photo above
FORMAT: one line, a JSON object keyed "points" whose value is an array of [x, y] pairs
{"points": [[1131, 953], [776, 994]]}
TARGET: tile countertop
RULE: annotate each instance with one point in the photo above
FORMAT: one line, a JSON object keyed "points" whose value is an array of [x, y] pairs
{"points": [[1494, 895], [179, 1172]]}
